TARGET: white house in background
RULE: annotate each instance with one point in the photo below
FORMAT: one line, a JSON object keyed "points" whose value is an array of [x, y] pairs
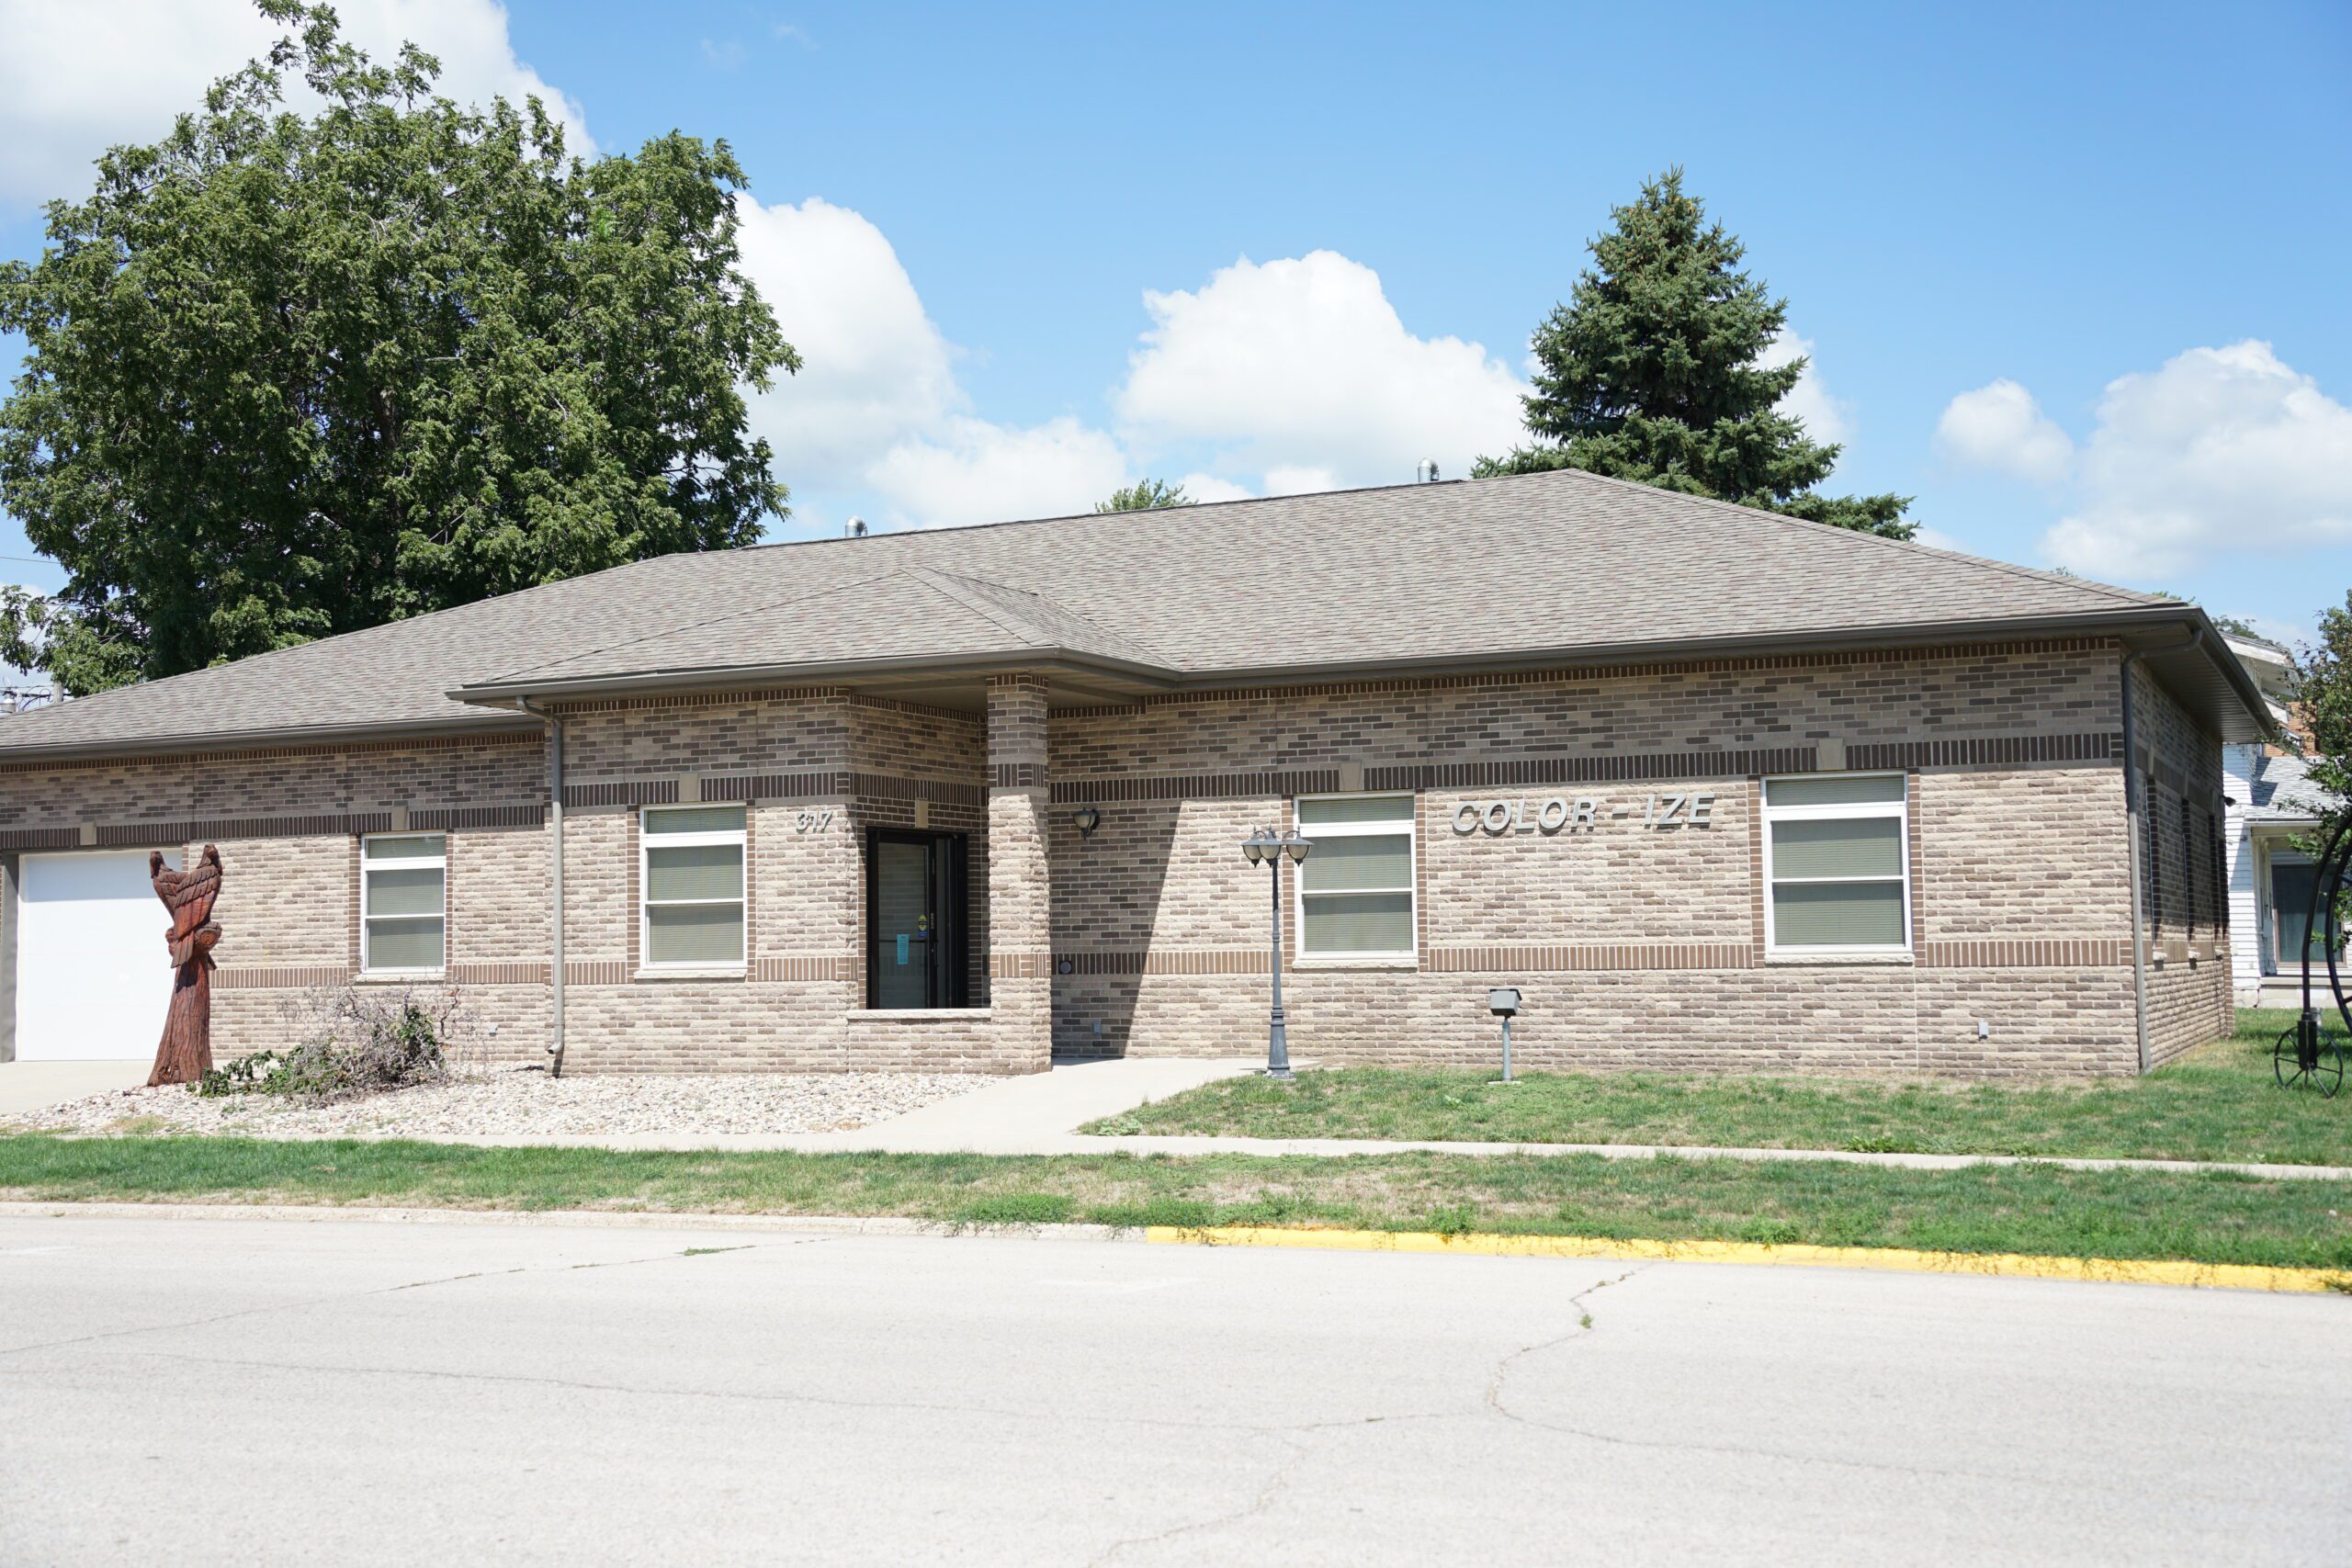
{"points": [[2273, 807]]}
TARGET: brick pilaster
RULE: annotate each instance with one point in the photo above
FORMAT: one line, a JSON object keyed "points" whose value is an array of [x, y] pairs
{"points": [[1020, 889]]}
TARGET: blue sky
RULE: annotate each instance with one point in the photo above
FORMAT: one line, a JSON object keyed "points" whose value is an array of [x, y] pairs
{"points": [[1033, 251]]}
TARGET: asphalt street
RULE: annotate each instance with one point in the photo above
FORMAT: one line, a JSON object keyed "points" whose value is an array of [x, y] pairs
{"points": [[192, 1391]]}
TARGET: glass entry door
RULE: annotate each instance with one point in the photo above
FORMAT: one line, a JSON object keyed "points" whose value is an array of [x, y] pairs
{"points": [[915, 950]]}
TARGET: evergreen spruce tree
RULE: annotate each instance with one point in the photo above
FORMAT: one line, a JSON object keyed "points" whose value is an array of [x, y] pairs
{"points": [[1650, 372]]}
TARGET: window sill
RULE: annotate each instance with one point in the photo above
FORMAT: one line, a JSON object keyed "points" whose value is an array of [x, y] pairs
{"points": [[1897, 958], [919, 1015], [399, 976], [1406, 961], [691, 972]]}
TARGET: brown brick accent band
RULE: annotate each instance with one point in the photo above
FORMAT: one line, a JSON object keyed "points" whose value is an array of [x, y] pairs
{"points": [[939, 792], [627, 792], [1604, 769], [668, 700], [518, 973], [1020, 965], [1017, 775], [820, 784], [280, 977], [1592, 956], [2095, 953], [330, 824], [596, 972], [1198, 786], [1989, 750], [1166, 961], [39, 838], [461, 819], [803, 966]]}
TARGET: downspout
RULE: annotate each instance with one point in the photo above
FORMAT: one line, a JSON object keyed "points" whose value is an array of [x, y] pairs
{"points": [[2133, 808], [555, 878]]}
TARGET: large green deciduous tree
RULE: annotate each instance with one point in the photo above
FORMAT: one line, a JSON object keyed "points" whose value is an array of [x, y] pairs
{"points": [[297, 373], [1652, 371], [2323, 692]]}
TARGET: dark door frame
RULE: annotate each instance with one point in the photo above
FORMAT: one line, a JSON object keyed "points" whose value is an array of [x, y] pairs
{"points": [[947, 979]]}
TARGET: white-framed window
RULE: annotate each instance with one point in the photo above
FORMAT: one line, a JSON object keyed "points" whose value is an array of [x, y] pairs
{"points": [[690, 880], [403, 903], [1838, 864], [1356, 887]]}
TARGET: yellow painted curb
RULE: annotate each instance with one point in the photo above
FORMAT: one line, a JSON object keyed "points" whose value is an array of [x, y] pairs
{"points": [[2008, 1265]]}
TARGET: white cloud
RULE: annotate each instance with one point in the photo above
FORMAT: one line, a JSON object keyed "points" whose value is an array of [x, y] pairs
{"points": [[974, 471], [1302, 366], [878, 371], [1208, 487], [1825, 418], [76, 78], [2218, 450], [1936, 538], [1999, 426]]}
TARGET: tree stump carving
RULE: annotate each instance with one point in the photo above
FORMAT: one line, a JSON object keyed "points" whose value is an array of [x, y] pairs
{"points": [[186, 1053]]}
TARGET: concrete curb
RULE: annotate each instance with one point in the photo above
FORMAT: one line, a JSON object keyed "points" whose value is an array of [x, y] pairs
{"points": [[1474, 1244], [1884, 1260]]}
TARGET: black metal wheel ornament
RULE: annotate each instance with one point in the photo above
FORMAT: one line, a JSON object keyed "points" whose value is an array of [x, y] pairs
{"points": [[2316, 1062], [2308, 1053]]}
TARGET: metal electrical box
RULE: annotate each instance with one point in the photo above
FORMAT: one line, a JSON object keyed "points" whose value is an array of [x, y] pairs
{"points": [[1503, 1001]]}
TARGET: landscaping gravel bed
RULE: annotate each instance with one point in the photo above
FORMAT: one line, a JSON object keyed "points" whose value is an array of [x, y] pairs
{"points": [[526, 1100]]}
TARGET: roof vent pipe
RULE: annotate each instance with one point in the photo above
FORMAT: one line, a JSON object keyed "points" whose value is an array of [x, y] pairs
{"points": [[1425, 471], [857, 529]]}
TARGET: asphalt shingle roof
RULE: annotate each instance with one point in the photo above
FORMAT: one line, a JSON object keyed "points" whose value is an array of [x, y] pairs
{"points": [[2282, 791], [1554, 563]]}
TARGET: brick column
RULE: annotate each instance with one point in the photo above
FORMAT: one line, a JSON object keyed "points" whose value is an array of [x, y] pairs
{"points": [[1020, 892]]}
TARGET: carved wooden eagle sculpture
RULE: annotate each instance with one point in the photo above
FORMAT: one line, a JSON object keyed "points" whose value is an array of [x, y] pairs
{"points": [[186, 1052]]}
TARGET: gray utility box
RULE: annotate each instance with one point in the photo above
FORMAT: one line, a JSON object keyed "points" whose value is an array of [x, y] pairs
{"points": [[1503, 1001]]}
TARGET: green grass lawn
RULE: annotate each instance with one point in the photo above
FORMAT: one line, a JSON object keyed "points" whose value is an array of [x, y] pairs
{"points": [[2032, 1209], [2215, 1103]]}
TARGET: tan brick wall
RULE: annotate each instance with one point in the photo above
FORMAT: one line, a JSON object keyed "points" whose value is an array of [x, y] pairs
{"points": [[1636, 945], [2184, 901]]}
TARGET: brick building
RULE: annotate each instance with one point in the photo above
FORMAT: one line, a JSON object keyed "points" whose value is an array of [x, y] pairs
{"points": [[1714, 788]]}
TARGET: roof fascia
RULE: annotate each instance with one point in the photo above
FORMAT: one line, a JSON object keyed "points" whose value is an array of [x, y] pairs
{"points": [[258, 740], [816, 672]]}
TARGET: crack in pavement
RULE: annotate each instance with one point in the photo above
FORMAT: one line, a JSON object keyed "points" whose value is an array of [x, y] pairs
{"points": [[1496, 1406], [583, 1385], [1274, 1483]]}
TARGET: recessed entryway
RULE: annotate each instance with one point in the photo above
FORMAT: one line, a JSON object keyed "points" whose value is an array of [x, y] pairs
{"points": [[916, 948]]}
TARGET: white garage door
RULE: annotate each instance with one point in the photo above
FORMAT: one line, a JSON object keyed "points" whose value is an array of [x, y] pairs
{"points": [[93, 977]]}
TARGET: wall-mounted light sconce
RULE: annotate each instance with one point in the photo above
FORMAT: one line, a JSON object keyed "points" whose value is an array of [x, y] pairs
{"points": [[1088, 819]]}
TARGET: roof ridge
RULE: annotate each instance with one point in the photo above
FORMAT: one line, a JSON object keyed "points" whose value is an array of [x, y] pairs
{"points": [[1035, 636], [2129, 597], [1046, 637], [760, 609]]}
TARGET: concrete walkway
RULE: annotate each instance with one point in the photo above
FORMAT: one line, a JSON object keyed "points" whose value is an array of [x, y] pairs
{"points": [[35, 1086]]}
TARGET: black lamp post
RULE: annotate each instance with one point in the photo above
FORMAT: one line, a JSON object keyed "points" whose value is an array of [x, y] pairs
{"points": [[1264, 845]]}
